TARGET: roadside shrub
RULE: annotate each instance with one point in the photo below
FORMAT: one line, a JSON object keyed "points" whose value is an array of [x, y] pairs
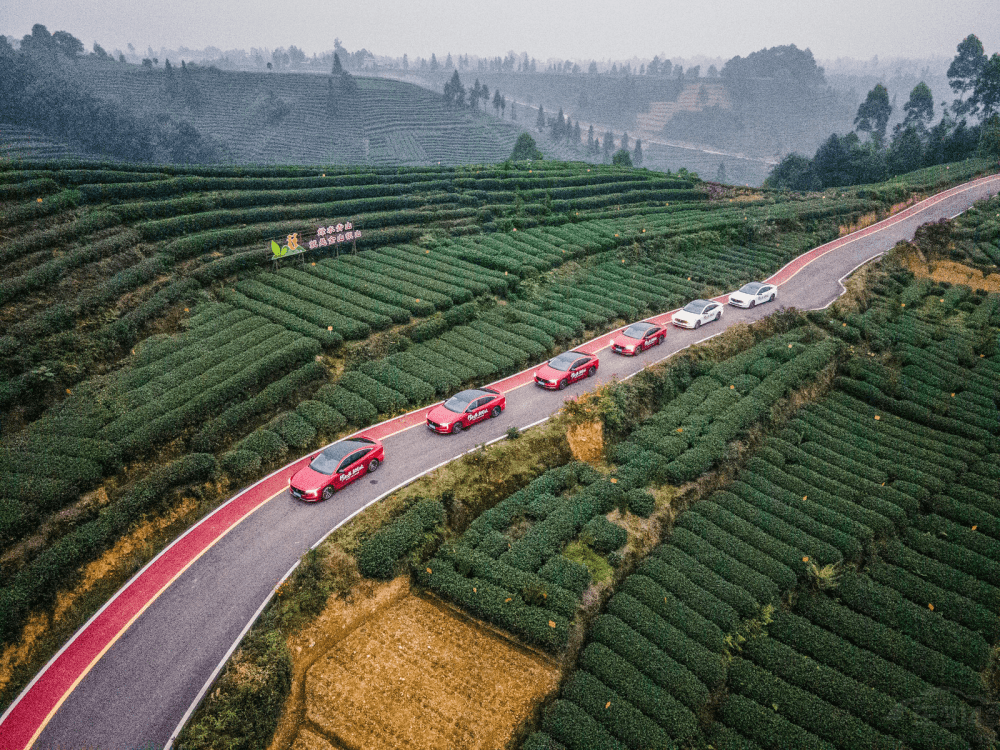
{"points": [[563, 572], [356, 410], [241, 464], [265, 443], [603, 535], [641, 503], [324, 418], [380, 552], [293, 429]]}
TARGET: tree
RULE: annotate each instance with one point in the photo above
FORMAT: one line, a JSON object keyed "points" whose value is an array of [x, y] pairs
{"points": [[622, 158], [720, 174], [540, 120], [484, 94], [679, 71], [832, 163], [434, 63], [559, 126], [338, 69], [919, 108], [592, 68], [964, 71], [609, 144], [496, 101], [454, 91], [99, 52], [448, 63], [794, 172], [525, 148], [637, 153], [986, 92], [873, 114], [576, 133], [906, 153], [713, 72], [68, 44], [590, 139], [406, 62], [653, 69], [989, 139], [624, 144]]}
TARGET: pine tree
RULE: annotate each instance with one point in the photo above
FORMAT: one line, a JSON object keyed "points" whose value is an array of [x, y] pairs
{"points": [[637, 153], [590, 139], [624, 141], [540, 120]]}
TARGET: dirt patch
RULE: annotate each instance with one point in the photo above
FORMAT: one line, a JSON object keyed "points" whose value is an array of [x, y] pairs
{"points": [[949, 271], [418, 675], [586, 441]]}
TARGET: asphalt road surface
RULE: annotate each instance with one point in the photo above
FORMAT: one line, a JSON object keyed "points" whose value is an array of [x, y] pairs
{"points": [[140, 688]]}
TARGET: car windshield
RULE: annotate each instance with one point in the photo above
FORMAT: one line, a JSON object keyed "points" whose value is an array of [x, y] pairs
{"points": [[752, 288], [564, 361], [328, 461], [637, 330], [697, 307], [460, 401]]}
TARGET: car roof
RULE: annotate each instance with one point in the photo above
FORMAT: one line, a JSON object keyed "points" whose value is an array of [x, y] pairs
{"points": [[645, 324], [345, 448], [471, 393], [700, 303], [753, 286]]}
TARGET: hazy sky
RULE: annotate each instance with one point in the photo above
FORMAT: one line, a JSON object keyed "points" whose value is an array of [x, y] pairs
{"points": [[583, 29]]}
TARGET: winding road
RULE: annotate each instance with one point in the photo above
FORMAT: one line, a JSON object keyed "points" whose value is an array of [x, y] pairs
{"points": [[129, 677]]}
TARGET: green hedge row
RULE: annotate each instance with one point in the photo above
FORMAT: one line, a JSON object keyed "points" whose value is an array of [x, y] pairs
{"points": [[892, 645], [623, 720], [766, 726], [559, 570], [385, 399], [678, 645], [415, 390], [948, 604], [881, 712], [805, 708], [759, 586], [319, 316], [575, 729], [357, 301], [355, 409], [943, 575], [703, 602], [887, 606], [370, 286], [425, 365], [958, 546], [661, 668], [329, 339], [215, 431], [379, 553], [673, 611], [733, 594]]}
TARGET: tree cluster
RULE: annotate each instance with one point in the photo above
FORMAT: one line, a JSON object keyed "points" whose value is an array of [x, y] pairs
{"points": [[45, 93], [915, 142]]}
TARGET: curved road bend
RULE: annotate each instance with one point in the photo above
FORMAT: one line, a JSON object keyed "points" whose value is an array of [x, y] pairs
{"points": [[145, 679]]}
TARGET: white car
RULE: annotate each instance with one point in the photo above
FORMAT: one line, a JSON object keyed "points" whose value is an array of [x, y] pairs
{"points": [[698, 312], [753, 294]]}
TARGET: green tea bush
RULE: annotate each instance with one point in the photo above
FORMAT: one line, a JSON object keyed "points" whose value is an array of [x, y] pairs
{"points": [[759, 586], [560, 570], [603, 535], [733, 594], [766, 726], [623, 720], [356, 410], [325, 419], [666, 672], [630, 683], [674, 611], [379, 553], [942, 575], [241, 464], [575, 729], [265, 443]]}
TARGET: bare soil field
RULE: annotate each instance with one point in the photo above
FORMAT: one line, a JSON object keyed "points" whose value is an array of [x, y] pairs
{"points": [[412, 673]]}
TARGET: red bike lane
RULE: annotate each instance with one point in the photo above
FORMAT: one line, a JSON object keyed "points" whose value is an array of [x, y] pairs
{"points": [[24, 720]]}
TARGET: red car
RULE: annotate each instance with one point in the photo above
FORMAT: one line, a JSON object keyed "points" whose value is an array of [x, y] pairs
{"points": [[567, 368], [466, 408], [638, 337], [336, 467]]}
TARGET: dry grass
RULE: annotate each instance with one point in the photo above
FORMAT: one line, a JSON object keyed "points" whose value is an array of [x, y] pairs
{"points": [[865, 220], [586, 441], [418, 675]]}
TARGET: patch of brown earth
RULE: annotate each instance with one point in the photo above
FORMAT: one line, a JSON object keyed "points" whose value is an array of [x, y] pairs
{"points": [[586, 441], [419, 675]]}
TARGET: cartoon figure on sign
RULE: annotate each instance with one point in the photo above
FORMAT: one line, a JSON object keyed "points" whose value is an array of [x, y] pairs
{"points": [[293, 241]]}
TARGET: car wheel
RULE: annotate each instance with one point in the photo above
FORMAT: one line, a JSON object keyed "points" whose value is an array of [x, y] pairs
{"points": [[457, 427], [771, 298], [372, 465], [718, 315], [753, 303], [562, 384], [328, 492], [496, 412], [591, 372], [660, 340], [697, 324]]}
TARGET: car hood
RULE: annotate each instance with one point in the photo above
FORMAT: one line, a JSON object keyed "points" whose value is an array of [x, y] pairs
{"points": [[308, 480], [683, 315], [742, 296], [550, 373], [622, 340], [442, 415]]}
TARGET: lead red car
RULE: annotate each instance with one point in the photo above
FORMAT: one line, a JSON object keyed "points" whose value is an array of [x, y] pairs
{"points": [[566, 368], [336, 467], [638, 337], [465, 409]]}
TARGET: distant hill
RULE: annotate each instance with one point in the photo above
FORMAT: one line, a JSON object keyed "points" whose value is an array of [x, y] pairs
{"points": [[304, 118]]}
